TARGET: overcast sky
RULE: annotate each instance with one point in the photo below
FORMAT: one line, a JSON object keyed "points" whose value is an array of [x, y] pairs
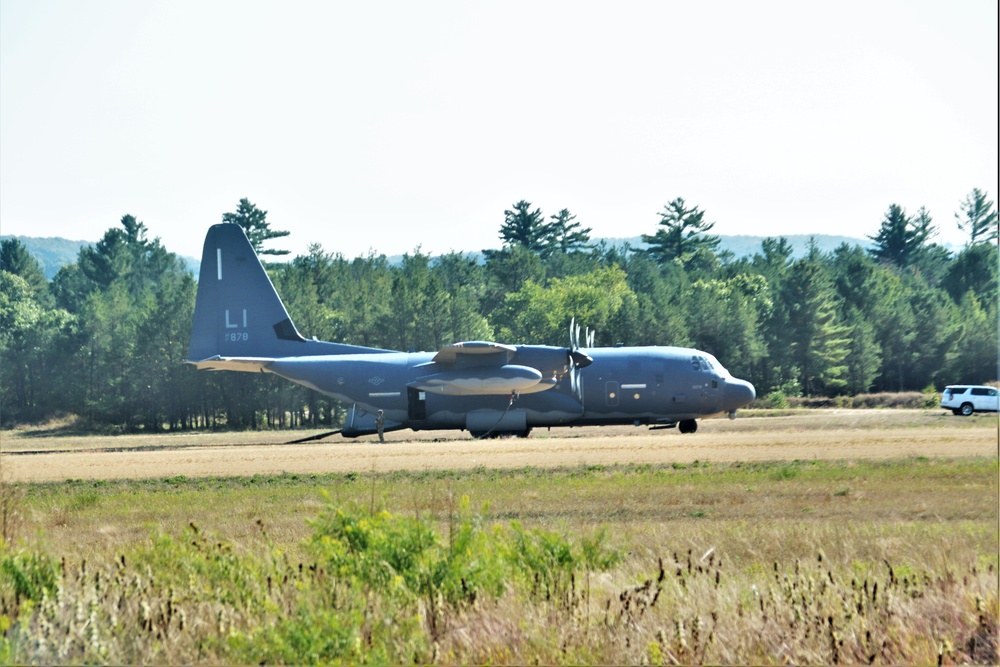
{"points": [[392, 125]]}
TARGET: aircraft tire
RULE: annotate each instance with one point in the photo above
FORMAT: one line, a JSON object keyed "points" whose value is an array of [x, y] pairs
{"points": [[687, 426], [489, 435]]}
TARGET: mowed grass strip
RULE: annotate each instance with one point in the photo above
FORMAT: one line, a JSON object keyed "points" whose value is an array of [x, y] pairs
{"points": [[86, 518]]}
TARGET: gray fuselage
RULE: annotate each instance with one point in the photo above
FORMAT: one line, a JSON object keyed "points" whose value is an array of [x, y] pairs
{"points": [[647, 385]]}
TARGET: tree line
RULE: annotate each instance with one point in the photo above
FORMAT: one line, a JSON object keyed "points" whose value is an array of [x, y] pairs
{"points": [[106, 338]]}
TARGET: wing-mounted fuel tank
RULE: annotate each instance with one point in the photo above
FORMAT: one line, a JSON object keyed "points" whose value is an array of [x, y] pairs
{"points": [[484, 380]]}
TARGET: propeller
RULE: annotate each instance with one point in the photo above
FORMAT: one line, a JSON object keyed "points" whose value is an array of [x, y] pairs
{"points": [[575, 358]]}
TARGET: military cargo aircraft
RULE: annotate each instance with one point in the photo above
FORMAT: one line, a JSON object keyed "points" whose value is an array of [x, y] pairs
{"points": [[485, 388]]}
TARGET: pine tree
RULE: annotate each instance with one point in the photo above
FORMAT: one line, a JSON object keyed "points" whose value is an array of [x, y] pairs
{"points": [[254, 222], [567, 236], [818, 343], [526, 228], [901, 239], [973, 356], [683, 235], [15, 259], [864, 356], [978, 219]]}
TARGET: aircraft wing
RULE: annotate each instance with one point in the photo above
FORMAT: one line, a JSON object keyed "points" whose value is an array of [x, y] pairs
{"points": [[477, 368], [246, 364], [472, 353]]}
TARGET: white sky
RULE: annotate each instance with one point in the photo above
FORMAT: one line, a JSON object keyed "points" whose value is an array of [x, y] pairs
{"points": [[388, 125]]}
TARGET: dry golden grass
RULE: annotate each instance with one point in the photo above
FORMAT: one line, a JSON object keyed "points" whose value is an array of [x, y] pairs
{"points": [[813, 434]]}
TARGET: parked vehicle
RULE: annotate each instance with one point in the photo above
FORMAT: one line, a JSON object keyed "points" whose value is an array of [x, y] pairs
{"points": [[964, 399]]}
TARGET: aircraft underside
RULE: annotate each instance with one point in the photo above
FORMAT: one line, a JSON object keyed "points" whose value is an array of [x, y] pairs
{"points": [[506, 416]]}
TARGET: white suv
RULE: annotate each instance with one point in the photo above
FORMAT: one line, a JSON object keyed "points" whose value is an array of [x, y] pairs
{"points": [[964, 399]]}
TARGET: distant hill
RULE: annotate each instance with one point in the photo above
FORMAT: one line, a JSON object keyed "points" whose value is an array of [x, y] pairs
{"points": [[747, 246], [740, 246], [53, 253]]}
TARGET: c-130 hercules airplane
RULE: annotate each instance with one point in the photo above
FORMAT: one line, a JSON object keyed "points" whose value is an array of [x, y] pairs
{"points": [[240, 324]]}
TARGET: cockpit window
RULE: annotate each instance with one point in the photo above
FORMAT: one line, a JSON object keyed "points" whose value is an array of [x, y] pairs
{"points": [[701, 364]]}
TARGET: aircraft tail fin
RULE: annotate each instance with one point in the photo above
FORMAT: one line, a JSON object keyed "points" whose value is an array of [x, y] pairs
{"points": [[238, 315]]}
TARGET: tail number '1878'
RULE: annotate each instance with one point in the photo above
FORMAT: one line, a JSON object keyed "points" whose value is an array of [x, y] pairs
{"points": [[236, 336]]}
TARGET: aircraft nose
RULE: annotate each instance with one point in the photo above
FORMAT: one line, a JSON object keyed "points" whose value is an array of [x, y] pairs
{"points": [[737, 394]]}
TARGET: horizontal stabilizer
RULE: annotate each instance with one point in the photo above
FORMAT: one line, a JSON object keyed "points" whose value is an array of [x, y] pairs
{"points": [[246, 364]]}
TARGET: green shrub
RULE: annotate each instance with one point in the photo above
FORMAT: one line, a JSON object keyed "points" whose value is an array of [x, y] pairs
{"points": [[28, 575], [776, 400]]}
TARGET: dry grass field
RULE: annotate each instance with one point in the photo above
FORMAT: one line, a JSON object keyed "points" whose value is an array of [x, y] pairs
{"points": [[812, 536], [44, 456]]}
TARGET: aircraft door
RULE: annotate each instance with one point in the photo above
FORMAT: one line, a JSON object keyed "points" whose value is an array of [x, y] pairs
{"points": [[611, 393], [416, 404]]}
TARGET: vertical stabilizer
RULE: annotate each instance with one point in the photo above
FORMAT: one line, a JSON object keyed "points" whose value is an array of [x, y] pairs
{"points": [[238, 314]]}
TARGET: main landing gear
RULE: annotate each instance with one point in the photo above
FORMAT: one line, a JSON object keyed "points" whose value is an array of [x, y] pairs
{"points": [[687, 426]]}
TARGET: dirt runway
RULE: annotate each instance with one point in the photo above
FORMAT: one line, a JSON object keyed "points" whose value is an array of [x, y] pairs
{"points": [[848, 436]]}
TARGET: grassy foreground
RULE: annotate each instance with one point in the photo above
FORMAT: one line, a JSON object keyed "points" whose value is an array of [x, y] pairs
{"points": [[804, 562]]}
